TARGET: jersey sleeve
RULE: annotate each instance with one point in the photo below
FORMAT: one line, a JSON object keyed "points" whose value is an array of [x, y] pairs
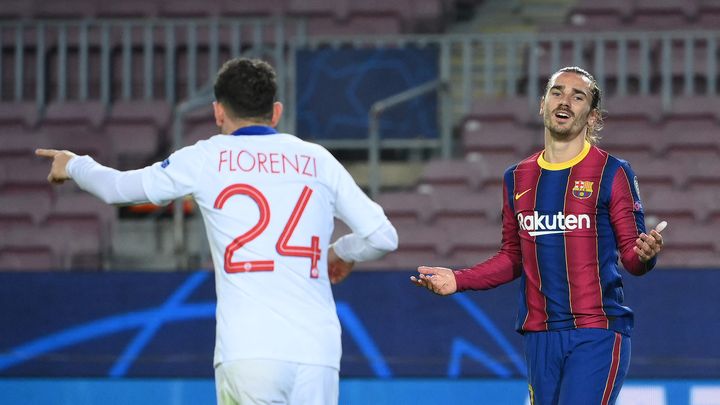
{"points": [[504, 266], [628, 219], [353, 206], [175, 176]]}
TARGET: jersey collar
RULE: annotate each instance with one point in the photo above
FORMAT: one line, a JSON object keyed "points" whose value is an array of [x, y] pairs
{"points": [[564, 165], [255, 130]]}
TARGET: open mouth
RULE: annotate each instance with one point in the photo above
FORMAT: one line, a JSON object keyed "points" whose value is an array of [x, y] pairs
{"points": [[563, 115]]}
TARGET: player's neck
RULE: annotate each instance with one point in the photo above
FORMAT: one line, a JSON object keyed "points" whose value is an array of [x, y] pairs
{"points": [[230, 126], [559, 151]]}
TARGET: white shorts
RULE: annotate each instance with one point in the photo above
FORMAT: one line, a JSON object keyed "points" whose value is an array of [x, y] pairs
{"points": [[260, 381]]}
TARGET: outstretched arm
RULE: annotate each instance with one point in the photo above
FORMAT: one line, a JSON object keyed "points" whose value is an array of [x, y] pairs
{"points": [[109, 185]]}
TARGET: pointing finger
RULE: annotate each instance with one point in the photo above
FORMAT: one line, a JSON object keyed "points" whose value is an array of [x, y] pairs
{"points": [[49, 153]]}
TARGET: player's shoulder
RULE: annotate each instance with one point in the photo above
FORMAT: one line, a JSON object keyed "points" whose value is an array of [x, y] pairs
{"points": [[613, 161]]}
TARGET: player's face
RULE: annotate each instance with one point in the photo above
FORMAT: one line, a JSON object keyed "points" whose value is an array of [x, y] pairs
{"points": [[566, 105]]}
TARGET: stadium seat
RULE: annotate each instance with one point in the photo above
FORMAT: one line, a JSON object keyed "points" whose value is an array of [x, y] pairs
{"points": [[508, 109], [254, 7], [470, 238], [65, 9], [90, 113], [689, 134], [695, 107], [417, 237], [633, 107], [26, 201], [446, 175], [466, 205], [599, 15], [82, 205], [23, 170], [189, 8], [18, 117], [404, 204], [19, 143], [664, 14], [671, 204], [708, 14], [128, 8], [76, 138], [655, 171], [488, 137], [623, 136], [30, 258]]}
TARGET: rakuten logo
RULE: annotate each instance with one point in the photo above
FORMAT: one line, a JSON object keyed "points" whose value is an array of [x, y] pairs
{"points": [[537, 224]]}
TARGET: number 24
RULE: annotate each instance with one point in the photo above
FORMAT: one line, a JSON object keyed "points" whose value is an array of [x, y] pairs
{"points": [[312, 252]]}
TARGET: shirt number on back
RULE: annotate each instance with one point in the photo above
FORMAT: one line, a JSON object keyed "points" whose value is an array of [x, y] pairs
{"points": [[312, 252]]}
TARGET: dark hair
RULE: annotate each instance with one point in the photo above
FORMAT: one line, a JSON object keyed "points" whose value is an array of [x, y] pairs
{"points": [[595, 105], [247, 88]]}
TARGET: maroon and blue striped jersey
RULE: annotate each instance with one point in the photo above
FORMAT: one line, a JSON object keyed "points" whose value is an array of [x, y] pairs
{"points": [[564, 226]]}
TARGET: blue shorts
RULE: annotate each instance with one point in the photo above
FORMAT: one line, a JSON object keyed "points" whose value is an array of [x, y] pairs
{"points": [[577, 366]]}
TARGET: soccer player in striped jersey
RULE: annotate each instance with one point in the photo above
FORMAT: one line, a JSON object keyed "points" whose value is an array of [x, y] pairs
{"points": [[268, 201], [568, 212]]}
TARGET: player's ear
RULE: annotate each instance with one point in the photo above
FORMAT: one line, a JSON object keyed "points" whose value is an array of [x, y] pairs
{"points": [[592, 118], [219, 114], [277, 113], [542, 105]]}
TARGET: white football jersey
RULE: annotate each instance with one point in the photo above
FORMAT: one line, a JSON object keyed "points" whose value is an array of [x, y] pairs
{"points": [[268, 203]]}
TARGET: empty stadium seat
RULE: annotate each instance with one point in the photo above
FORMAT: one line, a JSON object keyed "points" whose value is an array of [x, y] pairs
{"points": [[18, 116], [26, 201], [127, 8], [406, 204], [622, 138], [702, 107], [23, 170], [19, 143], [633, 107], [418, 237], [500, 136], [467, 205], [592, 15], [442, 174], [655, 171], [689, 134], [90, 113], [28, 258], [671, 204], [663, 14], [509, 109]]}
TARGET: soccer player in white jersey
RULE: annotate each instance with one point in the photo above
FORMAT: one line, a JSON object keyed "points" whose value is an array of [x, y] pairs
{"points": [[268, 200]]}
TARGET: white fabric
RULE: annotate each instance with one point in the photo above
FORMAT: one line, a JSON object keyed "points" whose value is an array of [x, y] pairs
{"points": [[110, 185], [352, 248], [284, 314], [266, 382]]}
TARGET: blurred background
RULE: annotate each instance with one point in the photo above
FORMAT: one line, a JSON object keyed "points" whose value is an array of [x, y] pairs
{"points": [[425, 102]]}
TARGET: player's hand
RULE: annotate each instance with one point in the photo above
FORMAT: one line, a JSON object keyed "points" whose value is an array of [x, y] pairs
{"points": [[648, 246], [338, 269], [58, 170], [439, 280]]}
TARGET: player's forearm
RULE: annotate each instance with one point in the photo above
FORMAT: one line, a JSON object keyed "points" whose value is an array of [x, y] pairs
{"points": [[500, 269], [109, 185], [353, 248]]}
